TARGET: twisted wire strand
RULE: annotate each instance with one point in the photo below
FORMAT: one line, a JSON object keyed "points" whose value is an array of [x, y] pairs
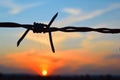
{"points": [[63, 29], [84, 29]]}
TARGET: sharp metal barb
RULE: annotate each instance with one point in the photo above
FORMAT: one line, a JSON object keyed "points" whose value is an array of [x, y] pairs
{"points": [[51, 42], [52, 20], [18, 43], [50, 34]]}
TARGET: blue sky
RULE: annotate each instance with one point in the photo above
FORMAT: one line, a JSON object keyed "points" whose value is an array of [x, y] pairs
{"points": [[78, 46]]}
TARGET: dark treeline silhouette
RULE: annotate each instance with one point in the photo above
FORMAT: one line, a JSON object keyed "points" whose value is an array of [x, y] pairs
{"points": [[37, 77]]}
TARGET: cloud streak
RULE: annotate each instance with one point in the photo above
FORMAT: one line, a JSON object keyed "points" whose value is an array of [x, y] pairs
{"points": [[72, 11], [15, 8], [73, 18]]}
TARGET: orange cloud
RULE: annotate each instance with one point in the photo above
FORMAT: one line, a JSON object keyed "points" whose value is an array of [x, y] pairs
{"points": [[35, 60], [31, 60]]}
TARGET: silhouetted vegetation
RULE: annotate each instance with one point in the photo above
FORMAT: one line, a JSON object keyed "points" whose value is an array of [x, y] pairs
{"points": [[36, 77]]}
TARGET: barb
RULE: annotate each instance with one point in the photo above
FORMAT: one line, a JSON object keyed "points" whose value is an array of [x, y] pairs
{"points": [[18, 43], [50, 34]]}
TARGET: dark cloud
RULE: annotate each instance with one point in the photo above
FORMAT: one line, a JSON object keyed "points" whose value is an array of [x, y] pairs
{"points": [[14, 70], [91, 69], [94, 69], [65, 70], [113, 56], [86, 69]]}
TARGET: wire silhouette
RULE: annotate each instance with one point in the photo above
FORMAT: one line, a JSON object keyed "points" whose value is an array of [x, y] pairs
{"points": [[44, 28]]}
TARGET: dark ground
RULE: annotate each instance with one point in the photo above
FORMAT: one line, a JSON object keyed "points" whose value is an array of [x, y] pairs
{"points": [[35, 77]]}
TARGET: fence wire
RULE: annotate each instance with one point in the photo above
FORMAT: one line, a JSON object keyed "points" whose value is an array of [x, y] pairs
{"points": [[43, 28]]}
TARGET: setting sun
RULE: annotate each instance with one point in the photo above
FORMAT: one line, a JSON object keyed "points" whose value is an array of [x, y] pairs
{"points": [[44, 72]]}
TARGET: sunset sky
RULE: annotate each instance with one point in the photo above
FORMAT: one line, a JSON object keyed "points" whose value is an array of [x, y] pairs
{"points": [[76, 53]]}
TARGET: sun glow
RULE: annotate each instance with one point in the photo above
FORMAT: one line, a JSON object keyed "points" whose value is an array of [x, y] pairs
{"points": [[44, 72]]}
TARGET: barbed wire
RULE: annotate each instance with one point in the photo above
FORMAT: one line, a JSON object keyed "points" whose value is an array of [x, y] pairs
{"points": [[43, 28], [38, 28]]}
